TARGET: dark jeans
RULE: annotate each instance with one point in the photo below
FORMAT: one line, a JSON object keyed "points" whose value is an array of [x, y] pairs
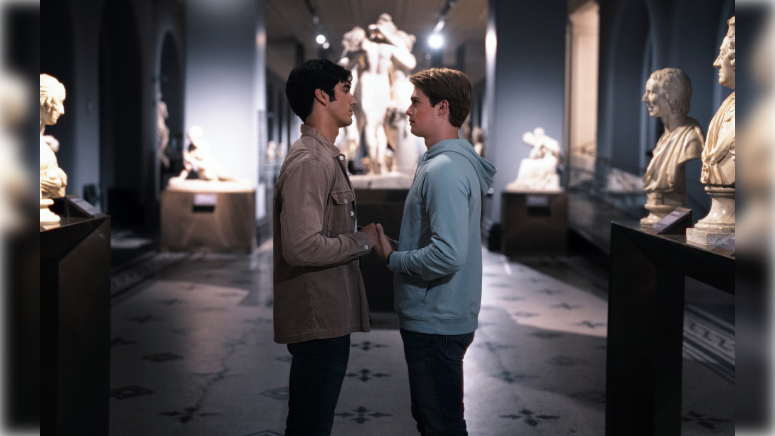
{"points": [[436, 381], [317, 371]]}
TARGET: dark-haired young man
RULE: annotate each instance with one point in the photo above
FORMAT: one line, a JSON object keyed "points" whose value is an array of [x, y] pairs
{"points": [[438, 258], [319, 297]]}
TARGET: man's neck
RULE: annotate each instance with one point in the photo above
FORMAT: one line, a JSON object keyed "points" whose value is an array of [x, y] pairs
{"points": [[441, 135], [327, 127]]}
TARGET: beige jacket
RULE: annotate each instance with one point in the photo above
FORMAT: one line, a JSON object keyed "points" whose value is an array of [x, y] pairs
{"points": [[318, 289]]}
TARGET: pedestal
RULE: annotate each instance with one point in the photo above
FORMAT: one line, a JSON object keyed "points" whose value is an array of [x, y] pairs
{"points": [[534, 223], [719, 225], [384, 206], [660, 204], [222, 221], [75, 313], [645, 326]]}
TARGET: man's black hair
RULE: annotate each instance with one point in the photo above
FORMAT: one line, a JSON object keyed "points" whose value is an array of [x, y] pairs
{"points": [[309, 76]]}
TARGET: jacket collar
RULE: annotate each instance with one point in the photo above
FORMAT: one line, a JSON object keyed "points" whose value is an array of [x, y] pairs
{"points": [[313, 132]]}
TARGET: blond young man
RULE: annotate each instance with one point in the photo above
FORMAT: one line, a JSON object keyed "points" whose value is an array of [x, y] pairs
{"points": [[437, 260]]}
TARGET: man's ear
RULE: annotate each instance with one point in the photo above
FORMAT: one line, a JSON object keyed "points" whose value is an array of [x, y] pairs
{"points": [[322, 97], [443, 107]]}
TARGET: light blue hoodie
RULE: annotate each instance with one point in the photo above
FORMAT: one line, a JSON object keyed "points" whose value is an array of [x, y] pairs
{"points": [[438, 264]]}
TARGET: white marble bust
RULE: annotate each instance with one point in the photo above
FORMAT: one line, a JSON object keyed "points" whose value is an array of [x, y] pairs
{"points": [[539, 171], [668, 97], [718, 157], [52, 179]]}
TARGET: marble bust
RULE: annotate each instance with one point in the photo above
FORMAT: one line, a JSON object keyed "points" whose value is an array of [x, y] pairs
{"points": [[52, 179], [718, 157], [539, 171], [668, 97]]}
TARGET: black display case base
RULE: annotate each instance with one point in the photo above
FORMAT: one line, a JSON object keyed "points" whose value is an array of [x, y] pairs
{"points": [[75, 313], [645, 326], [535, 223]]}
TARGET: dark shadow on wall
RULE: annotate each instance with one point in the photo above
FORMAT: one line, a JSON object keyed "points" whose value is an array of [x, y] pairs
{"points": [[120, 115], [56, 59], [171, 82]]}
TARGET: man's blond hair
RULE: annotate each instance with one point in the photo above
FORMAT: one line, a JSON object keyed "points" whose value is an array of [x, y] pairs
{"points": [[440, 84]]}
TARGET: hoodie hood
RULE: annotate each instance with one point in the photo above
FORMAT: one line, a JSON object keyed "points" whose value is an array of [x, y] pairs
{"points": [[484, 169]]}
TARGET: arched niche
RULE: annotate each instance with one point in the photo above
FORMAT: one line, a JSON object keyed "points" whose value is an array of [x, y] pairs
{"points": [[57, 59], [170, 77], [120, 114]]}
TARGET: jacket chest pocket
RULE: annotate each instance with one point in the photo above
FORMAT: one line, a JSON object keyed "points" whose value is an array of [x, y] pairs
{"points": [[341, 218]]}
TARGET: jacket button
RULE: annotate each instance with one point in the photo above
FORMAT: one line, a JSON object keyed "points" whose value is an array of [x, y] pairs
{"points": [[352, 213], [341, 157], [346, 201], [365, 247]]}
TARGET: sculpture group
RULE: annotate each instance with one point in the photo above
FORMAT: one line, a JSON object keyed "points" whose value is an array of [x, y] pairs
{"points": [[539, 171], [381, 61]]}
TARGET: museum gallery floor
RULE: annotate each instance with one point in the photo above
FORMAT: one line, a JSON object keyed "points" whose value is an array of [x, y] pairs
{"points": [[192, 354]]}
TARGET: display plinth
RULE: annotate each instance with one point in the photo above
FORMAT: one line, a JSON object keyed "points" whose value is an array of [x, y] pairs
{"points": [[384, 206], [645, 326], [214, 221], [75, 309], [534, 223]]}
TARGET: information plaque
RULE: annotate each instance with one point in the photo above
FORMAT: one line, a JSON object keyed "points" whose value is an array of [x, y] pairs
{"points": [[680, 217]]}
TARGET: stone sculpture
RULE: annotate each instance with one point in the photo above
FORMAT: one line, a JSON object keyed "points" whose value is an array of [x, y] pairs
{"points": [[163, 137], [380, 64], [197, 158], [539, 171], [668, 97], [718, 157], [52, 179]]}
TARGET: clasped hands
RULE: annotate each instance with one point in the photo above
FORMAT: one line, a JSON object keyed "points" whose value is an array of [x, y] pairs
{"points": [[381, 245]]}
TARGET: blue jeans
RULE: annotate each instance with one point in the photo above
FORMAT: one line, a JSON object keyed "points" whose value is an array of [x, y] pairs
{"points": [[318, 368], [435, 365]]}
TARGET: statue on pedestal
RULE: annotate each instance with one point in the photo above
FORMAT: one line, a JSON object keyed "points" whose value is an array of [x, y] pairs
{"points": [[668, 96], [718, 157], [539, 171], [380, 64], [52, 179]]}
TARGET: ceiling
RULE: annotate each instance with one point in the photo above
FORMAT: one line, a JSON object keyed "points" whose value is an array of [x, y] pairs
{"points": [[289, 20]]}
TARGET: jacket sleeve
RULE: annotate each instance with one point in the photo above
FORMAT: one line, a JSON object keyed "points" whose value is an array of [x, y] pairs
{"points": [[446, 194], [304, 196]]}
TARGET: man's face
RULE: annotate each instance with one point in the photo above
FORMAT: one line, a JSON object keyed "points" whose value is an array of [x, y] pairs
{"points": [[343, 107], [655, 100], [726, 72], [53, 111], [422, 115]]}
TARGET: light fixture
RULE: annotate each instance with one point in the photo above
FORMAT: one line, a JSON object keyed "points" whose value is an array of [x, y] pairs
{"points": [[436, 41], [321, 39], [326, 45]]}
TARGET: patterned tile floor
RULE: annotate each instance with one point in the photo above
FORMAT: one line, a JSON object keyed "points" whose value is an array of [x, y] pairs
{"points": [[192, 354]]}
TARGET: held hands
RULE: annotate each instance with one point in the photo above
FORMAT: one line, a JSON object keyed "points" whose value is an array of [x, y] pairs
{"points": [[385, 246], [371, 232]]}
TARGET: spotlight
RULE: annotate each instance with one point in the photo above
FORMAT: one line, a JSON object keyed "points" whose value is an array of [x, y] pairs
{"points": [[436, 41], [320, 39], [326, 45]]}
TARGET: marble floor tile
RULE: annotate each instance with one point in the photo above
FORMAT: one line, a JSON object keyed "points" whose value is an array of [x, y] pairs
{"points": [[192, 354]]}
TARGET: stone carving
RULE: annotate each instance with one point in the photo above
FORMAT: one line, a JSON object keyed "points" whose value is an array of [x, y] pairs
{"points": [[380, 64], [197, 158], [14, 101], [668, 97], [163, 137], [539, 171], [718, 157], [52, 179]]}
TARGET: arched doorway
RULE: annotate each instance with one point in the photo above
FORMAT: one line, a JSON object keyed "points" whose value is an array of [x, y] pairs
{"points": [[171, 89], [120, 114], [56, 59]]}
